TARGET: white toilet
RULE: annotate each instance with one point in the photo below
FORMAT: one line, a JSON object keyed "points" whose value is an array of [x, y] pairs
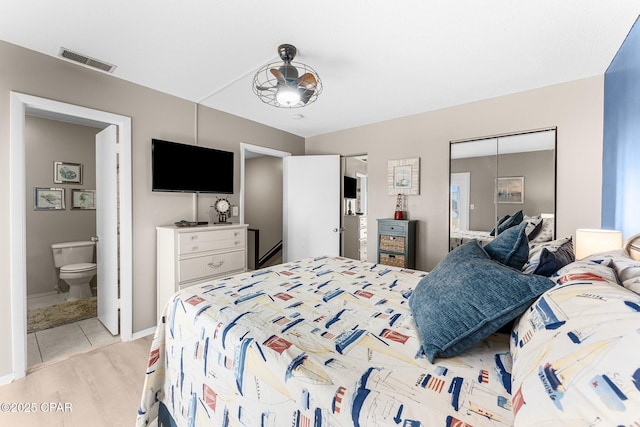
{"points": [[75, 260]]}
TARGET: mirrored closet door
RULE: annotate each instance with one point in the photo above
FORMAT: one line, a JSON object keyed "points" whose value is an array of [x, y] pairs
{"points": [[497, 177]]}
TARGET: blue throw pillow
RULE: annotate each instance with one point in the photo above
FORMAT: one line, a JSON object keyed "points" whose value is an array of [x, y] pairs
{"points": [[552, 261], [512, 221], [467, 297], [500, 221], [511, 247]]}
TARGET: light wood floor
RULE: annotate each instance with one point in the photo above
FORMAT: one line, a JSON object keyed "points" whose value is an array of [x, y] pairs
{"points": [[101, 387]]}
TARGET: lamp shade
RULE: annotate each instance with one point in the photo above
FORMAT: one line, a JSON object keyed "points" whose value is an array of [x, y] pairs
{"points": [[593, 241]]}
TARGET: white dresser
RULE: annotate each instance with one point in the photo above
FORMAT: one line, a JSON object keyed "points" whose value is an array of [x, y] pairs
{"points": [[190, 255], [355, 237]]}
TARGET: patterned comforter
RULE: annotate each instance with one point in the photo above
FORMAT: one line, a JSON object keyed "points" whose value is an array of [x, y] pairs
{"points": [[460, 237], [317, 342]]}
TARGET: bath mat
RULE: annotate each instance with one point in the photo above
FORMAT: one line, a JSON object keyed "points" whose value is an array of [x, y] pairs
{"points": [[61, 314]]}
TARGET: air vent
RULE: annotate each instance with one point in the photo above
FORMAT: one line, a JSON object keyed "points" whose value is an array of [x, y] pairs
{"points": [[86, 60]]}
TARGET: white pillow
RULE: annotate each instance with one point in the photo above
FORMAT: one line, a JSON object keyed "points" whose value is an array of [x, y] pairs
{"points": [[574, 358]]}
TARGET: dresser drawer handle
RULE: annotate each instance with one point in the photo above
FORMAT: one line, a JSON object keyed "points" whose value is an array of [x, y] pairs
{"points": [[215, 265], [194, 237], [195, 248]]}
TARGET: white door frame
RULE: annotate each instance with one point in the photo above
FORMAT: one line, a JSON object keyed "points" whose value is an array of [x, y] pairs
{"points": [[19, 104], [249, 148]]}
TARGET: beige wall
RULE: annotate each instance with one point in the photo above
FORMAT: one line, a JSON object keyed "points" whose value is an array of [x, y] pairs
{"points": [[47, 141], [154, 115], [263, 201], [575, 108]]}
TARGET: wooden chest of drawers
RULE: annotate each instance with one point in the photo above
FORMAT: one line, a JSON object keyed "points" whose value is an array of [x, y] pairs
{"points": [[190, 255]]}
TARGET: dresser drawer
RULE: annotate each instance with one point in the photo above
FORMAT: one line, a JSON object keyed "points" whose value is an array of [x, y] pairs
{"points": [[394, 260], [395, 228], [190, 243], [210, 265], [392, 243]]}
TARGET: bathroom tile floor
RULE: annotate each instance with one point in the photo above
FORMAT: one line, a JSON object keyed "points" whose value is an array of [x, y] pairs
{"points": [[53, 343], [50, 344]]}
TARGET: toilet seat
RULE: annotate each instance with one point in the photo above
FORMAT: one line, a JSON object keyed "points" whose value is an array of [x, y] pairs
{"points": [[78, 268]]}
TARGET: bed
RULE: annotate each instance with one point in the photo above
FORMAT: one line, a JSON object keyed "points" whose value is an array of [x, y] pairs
{"points": [[459, 237], [326, 341], [331, 341], [540, 228]]}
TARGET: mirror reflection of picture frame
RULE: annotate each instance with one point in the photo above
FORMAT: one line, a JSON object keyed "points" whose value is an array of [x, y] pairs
{"points": [[403, 176], [67, 173], [510, 189], [48, 199], [83, 199]]}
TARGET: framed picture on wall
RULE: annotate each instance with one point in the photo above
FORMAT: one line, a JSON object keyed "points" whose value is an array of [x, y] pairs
{"points": [[83, 199], [403, 176], [67, 173], [511, 189], [48, 199]]}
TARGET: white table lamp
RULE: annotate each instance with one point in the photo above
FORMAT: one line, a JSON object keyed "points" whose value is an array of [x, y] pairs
{"points": [[593, 241]]}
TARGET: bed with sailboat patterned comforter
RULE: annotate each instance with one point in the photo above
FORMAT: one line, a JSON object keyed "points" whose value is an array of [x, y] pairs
{"points": [[326, 341], [332, 342]]}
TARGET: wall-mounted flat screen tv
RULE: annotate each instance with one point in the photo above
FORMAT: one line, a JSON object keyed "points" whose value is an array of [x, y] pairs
{"points": [[190, 168], [350, 187]]}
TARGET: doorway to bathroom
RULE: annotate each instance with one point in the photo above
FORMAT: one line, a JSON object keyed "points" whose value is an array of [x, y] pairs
{"points": [[115, 307], [62, 297]]}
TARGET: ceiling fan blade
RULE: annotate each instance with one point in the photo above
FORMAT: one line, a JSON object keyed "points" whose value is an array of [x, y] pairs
{"points": [[266, 87], [307, 81], [305, 95], [277, 74]]}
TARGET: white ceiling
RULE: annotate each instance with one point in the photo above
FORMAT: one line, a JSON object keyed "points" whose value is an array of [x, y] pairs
{"points": [[378, 60]]}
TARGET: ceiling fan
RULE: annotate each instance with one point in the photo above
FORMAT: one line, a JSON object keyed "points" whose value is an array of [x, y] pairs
{"points": [[288, 84]]}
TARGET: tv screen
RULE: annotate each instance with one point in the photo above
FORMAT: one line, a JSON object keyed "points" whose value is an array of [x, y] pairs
{"points": [[350, 185], [190, 168]]}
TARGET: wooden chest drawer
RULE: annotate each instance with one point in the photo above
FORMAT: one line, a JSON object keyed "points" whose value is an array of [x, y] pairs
{"points": [[395, 228], [211, 241], [197, 268], [392, 243], [392, 259]]}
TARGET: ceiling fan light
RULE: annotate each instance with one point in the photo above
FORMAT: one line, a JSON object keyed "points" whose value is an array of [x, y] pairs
{"points": [[287, 84], [288, 96]]}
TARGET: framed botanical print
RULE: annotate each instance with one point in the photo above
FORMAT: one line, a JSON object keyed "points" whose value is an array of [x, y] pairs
{"points": [[83, 199], [48, 199], [67, 173]]}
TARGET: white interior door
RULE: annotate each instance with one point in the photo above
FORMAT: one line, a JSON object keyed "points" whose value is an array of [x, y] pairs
{"points": [[107, 227], [311, 214], [460, 183]]}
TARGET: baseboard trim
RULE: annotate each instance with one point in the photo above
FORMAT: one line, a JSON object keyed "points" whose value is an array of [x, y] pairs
{"points": [[144, 333], [6, 379]]}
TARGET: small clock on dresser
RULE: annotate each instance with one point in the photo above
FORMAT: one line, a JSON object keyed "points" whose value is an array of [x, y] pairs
{"points": [[222, 207]]}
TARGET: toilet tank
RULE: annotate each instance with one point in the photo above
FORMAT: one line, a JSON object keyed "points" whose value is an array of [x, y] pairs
{"points": [[72, 253]]}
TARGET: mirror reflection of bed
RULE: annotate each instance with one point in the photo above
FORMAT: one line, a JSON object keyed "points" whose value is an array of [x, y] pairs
{"points": [[499, 177]]}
